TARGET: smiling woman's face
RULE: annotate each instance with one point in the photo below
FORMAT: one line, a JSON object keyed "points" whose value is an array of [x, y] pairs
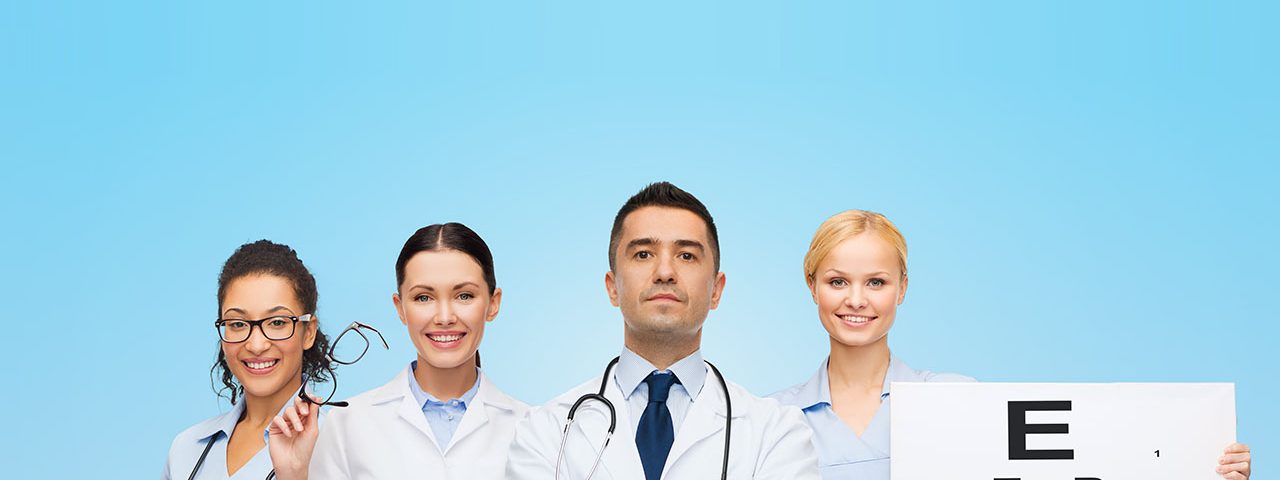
{"points": [[445, 303], [265, 367], [858, 288]]}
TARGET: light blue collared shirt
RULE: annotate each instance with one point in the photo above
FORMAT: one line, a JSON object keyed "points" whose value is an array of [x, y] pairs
{"points": [[843, 454], [442, 416], [631, 371], [188, 445]]}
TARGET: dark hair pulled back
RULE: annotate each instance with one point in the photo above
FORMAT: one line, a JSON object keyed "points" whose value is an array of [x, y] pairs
{"points": [[447, 236]]}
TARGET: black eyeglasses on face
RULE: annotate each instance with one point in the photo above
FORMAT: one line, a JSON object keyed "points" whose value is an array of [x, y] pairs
{"points": [[348, 348], [237, 330]]}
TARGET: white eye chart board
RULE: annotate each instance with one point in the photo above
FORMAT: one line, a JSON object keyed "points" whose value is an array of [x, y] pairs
{"points": [[1056, 431]]}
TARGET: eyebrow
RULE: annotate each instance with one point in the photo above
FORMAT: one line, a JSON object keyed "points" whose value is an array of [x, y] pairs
{"points": [[242, 312], [691, 243], [642, 242], [647, 241], [839, 272], [455, 287]]}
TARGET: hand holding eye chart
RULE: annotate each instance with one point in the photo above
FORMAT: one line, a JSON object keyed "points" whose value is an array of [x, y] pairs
{"points": [[1044, 431]]}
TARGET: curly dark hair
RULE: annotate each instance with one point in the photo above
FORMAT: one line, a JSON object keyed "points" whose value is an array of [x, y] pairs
{"points": [[267, 257]]}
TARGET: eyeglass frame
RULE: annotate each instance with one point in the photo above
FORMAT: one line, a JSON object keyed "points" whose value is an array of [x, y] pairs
{"points": [[328, 355], [219, 323]]}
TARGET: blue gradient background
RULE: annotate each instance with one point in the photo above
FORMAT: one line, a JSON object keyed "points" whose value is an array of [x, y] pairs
{"points": [[1087, 188]]}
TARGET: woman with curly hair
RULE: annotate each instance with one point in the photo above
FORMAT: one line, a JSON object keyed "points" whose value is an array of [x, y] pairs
{"points": [[268, 339]]}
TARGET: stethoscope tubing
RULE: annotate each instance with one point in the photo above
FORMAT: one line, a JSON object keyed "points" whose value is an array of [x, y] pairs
{"points": [[613, 420]]}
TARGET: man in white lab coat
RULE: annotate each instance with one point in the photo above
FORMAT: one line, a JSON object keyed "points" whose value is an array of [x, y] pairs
{"points": [[672, 418]]}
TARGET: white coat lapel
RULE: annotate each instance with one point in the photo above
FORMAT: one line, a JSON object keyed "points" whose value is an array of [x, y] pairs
{"points": [[397, 395], [705, 419], [621, 459], [477, 414]]}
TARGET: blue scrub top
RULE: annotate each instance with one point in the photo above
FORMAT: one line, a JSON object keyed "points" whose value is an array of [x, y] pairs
{"points": [[842, 454], [187, 446]]}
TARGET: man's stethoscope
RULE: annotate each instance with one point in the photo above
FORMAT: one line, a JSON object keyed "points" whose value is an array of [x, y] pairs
{"points": [[613, 420]]}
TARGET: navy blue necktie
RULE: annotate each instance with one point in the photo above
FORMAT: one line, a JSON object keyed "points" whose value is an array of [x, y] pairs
{"points": [[655, 433]]}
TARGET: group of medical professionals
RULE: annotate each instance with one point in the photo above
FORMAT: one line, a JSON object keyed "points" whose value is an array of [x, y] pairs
{"points": [[658, 411]]}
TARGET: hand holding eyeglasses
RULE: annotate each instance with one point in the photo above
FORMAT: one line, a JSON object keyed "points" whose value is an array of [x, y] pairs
{"points": [[292, 435], [292, 438]]}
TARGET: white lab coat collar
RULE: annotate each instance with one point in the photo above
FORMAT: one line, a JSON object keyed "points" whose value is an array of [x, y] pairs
{"points": [[633, 369], [706, 418], [488, 395]]}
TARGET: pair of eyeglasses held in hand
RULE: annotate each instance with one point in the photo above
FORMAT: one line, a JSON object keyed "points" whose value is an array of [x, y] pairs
{"points": [[348, 348]]}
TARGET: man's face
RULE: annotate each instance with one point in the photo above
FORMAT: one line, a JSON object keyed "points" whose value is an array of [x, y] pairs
{"points": [[665, 279]]}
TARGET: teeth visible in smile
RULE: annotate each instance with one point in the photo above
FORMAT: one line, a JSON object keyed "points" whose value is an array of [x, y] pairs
{"points": [[444, 338], [260, 365], [855, 318]]}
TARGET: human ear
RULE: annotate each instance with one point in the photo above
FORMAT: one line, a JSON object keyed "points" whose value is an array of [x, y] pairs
{"points": [[611, 287], [495, 301], [395, 300], [717, 290], [902, 293]]}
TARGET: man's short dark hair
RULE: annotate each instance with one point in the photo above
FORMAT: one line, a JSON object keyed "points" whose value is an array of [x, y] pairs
{"points": [[663, 194]]}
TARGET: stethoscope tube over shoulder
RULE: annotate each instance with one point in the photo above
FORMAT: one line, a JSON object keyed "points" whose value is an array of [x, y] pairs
{"points": [[613, 420], [728, 420], [203, 454]]}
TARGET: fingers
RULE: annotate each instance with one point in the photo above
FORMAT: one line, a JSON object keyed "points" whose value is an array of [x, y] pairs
{"points": [[1234, 464], [1236, 448], [1233, 458], [314, 419], [301, 406], [1233, 467], [279, 427], [293, 417]]}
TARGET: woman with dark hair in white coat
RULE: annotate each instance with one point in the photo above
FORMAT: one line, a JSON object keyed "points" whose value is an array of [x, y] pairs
{"points": [[441, 417]]}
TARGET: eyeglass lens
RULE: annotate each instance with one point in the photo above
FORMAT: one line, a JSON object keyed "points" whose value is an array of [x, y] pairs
{"points": [[274, 328], [349, 347]]}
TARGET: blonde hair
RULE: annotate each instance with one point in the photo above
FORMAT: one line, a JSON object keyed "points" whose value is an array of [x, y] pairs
{"points": [[848, 224]]}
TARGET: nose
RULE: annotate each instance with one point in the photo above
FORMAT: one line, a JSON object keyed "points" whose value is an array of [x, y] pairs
{"points": [[444, 314], [664, 270], [257, 341], [856, 299]]}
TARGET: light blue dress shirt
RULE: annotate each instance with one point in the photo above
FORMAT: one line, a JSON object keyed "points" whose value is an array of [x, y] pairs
{"points": [[631, 371], [442, 416], [843, 454], [188, 445]]}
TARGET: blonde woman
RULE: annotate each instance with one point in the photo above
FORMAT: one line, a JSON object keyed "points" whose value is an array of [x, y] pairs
{"points": [[856, 270]]}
